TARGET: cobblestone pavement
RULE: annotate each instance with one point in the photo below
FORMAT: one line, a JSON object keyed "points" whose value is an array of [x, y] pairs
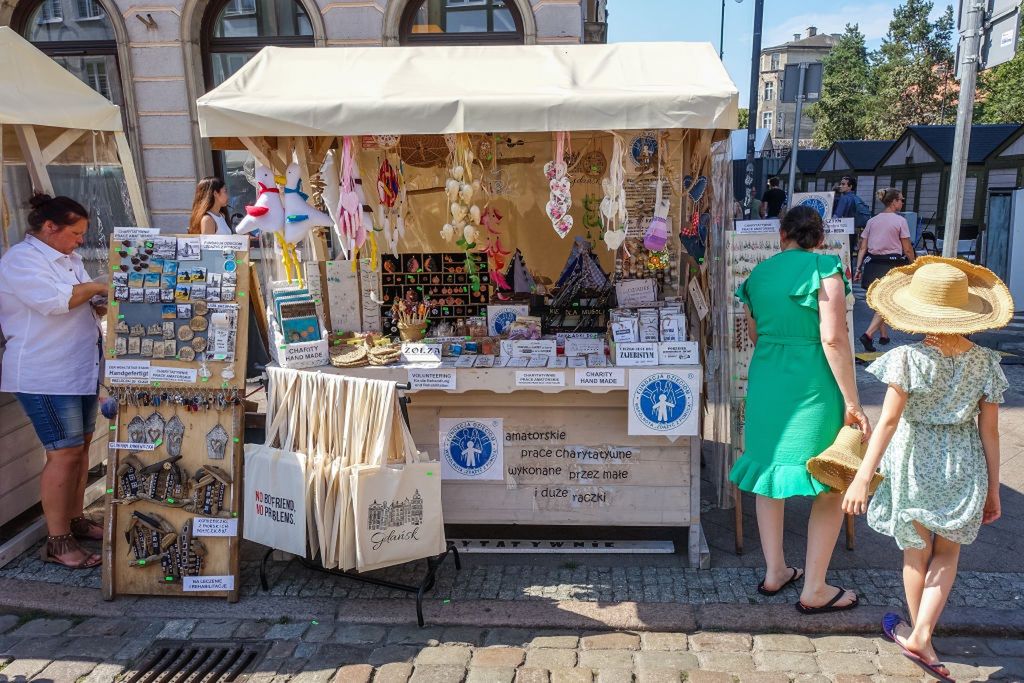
{"points": [[99, 650]]}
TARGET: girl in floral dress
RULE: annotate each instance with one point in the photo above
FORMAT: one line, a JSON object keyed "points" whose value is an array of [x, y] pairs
{"points": [[937, 439]]}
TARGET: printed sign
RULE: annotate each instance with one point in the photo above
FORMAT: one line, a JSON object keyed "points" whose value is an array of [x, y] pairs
{"points": [[127, 371], [698, 299], [472, 448], [839, 226], [819, 201], [432, 379], [133, 233], [533, 347], [638, 354], [583, 347], [214, 526], [129, 446], [501, 316], [636, 292], [224, 242], [304, 354], [678, 353], [747, 227], [421, 353], [164, 373], [593, 377], [191, 584], [539, 378], [663, 402]]}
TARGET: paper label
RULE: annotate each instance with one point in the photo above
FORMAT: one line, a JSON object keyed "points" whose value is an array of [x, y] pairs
{"points": [[539, 378], [421, 353], [304, 355], [747, 227], [134, 233], [636, 292], [592, 377], [634, 355], [207, 583], [624, 331], [214, 526], [697, 297], [665, 402], [164, 373], [583, 347], [484, 361], [557, 362], [678, 353], [839, 226], [432, 379], [224, 242], [534, 347], [129, 446], [465, 361], [597, 360], [127, 371]]}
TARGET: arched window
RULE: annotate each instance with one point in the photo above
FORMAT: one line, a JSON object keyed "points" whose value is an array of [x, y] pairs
{"points": [[78, 35], [473, 22], [233, 32]]}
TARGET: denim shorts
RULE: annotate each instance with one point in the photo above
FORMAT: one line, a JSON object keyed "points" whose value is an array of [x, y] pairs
{"points": [[60, 421]]}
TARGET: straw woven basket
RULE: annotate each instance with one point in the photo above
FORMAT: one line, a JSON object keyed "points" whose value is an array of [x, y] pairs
{"points": [[837, 465]]}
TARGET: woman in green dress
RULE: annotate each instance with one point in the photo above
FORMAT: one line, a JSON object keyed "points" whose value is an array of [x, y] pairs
{"points": [[802, 389]]}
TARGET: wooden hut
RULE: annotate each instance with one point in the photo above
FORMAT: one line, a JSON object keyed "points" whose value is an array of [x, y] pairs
{"points": [[856, 158], [807, 163]]}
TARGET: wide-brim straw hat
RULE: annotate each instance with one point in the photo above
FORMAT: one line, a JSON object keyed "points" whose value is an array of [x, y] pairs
{"points": [[837, 465], [936, 295]]}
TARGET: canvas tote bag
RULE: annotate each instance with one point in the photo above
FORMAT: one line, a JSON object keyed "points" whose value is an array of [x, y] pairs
{"points": [[274, 512]]}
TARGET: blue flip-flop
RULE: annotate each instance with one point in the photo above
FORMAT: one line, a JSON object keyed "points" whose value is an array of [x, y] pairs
{"points": [[892, 621]]}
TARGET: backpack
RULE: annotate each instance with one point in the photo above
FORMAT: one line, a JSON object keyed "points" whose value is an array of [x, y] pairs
{"points": [[862, 214]]}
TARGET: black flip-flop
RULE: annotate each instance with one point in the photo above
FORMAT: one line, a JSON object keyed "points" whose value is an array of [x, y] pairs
{"points": [[797, 575], [884, 341], [933, 669], [829, 606]]}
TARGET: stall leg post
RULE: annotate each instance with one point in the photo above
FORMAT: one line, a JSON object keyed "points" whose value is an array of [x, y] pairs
{"points": [[850, 532], [738, 518]]}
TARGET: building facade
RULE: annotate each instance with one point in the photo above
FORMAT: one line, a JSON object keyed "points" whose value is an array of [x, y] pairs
{"points": [[154, 59], [780, 116]]}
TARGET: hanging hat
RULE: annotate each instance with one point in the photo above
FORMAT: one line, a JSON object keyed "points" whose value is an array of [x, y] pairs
{"points": [[837, 465], [936, 295]]}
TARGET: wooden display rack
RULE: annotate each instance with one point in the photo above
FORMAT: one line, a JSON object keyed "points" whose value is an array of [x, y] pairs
{"points": [[222, 553]]}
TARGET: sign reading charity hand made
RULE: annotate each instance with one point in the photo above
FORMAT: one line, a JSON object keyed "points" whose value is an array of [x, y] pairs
{"points": [[663, 402], [472, 448]]}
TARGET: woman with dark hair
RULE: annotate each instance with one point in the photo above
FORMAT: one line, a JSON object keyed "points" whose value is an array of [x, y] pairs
{"points": [[49, 312], [801, 390], [209, 208]]}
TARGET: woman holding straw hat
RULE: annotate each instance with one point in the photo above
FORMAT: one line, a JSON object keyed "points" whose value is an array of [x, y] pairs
{"points": [[938, 435], [802, 389]]}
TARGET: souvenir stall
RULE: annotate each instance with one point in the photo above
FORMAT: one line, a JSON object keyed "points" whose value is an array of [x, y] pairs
{"points": [[518, 235], [53, 128]]}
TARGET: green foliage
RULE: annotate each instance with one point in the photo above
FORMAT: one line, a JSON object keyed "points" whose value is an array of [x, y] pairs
{"points": [[1001, 93], [841, 113], [744, 119]]}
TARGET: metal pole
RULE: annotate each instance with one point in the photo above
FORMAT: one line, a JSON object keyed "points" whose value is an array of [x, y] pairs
{"points": [[721, 33], [964, 120], [755, 79], [796, 129]]}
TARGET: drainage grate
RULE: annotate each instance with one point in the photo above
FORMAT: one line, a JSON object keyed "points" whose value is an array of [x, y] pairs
{"points": [[196, 661]]}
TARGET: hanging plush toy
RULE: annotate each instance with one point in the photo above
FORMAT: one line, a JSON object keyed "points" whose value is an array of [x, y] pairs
{"points": [[300, 218], [332, 193], [560, 203], [350, 210], [656, 236], [613, 205], [267, 214]]}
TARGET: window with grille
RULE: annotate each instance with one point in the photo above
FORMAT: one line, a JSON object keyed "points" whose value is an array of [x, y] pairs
{"points": [[769, 91], [96, 75], [89, 9], [775, 62], [50, 11], [766, 119], [447, 22]]}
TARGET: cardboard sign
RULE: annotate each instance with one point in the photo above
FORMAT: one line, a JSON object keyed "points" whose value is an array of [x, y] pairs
{"points": [[697, 297], [304, 355], [163, 373], [636, 355], [664, 402], [472, 448], [214, 526], [539, 378], [748, 227], [839, 226], [443, 380], [197, 584], [636, 292], [534, 347], [224, 242], [583, 347], [127, 371], [134, 233], [129, 446], [678, 353], [421, 353], [593, 377]]}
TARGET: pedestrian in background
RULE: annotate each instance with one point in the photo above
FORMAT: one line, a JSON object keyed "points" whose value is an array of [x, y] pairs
{"points": [[773, 200], [209, 208], [937, 439]]}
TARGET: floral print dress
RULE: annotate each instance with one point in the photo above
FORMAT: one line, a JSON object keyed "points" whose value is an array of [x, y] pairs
{"points": [[935, 469]]}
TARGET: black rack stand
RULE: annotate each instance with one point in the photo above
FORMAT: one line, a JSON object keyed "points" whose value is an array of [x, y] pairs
{"points": [[433, 563]]}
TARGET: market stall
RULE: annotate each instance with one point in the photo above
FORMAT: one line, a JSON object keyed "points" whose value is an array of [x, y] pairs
{"points": [[519, 234], [52, 127]]}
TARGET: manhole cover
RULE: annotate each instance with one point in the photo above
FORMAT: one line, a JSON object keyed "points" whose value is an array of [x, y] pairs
{"points": [[196, 661]]}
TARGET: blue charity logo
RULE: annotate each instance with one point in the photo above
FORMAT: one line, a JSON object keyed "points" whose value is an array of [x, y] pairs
{"points": [[663, 401], [470, 448], [815, 203], [503, 320]]}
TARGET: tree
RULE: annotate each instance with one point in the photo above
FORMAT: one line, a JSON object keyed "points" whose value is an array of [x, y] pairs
{"points": [[910, 70], [841, 113], [999, 97], [744, 118]]}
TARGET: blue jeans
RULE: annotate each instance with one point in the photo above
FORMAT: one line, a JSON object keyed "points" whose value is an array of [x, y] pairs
{"points": [[60, 421]]}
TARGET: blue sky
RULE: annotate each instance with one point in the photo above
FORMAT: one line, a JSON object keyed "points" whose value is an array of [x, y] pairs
{"points": [[698, 20]]}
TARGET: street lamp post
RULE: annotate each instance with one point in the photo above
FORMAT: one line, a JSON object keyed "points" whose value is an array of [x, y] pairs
{"points": [[755, 78]]}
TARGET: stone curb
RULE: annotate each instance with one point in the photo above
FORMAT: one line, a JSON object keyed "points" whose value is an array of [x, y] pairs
{"points": [[28, 597]]}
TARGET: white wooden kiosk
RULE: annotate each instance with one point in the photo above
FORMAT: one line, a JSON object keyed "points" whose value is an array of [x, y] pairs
{"points": [[47, 116], [569, 458]]}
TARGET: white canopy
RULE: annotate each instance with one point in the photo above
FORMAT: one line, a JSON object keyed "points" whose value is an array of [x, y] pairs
{"points": [[37, 91], [424, 90]]}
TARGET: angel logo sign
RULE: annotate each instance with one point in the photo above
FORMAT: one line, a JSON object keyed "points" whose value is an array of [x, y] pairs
{"points": [[662, 402], [472, 449], [503, 320]]}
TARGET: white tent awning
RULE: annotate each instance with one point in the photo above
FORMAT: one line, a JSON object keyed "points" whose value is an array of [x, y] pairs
{"points": [[39, 92], [424, 90]]}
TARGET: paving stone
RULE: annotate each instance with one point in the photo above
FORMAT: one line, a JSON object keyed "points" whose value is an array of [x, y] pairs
{"points": [[960, 647], [896, 665], [962, 672], [444, 655], [252, 629], [7, 622], [850, 678], [132, 649], [306, 650], [886, 647], [215, 628], [281, 649], [790, 662], [318, 672], [513, 637], [720, 642], [573, 675], [65, 670], [358, 635], [560, 642], [354, 673], [462, 635], [490, 674], [701, 676], [24, 668], [844, 644], [813, 678], [762, 677], [662, 659], [732, 662], [615, 676], [292, 631], [550, 658], [503, 657], [663, 641], [896, 679], [103, 673], [412, 635], [527, 675], [102, 626], [783, 643], [434, 673], [42, 627], [606, 659], [43, 647], [176, 629], [395, 672], [846, 663], [403, 654], [611, 641], [1007, 648], [92, 647]]}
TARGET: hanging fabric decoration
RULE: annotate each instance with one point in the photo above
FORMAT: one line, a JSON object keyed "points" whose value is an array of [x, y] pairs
{"points": [[560, 203], [387, 194], [613, 205], [496, 254], [350, 214], [656, 236], [331, 193], [465, 216]]}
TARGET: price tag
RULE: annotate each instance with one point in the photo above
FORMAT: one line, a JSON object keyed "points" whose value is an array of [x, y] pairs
{"points": [[214, 526], [191, 584]]}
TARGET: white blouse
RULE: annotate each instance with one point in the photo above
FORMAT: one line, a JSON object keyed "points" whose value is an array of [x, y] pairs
{"points": [[222, 225], [49, 349]]}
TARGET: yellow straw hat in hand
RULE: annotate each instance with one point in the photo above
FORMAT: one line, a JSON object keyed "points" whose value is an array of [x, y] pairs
{"points": [[837, 465], [936, 295]]}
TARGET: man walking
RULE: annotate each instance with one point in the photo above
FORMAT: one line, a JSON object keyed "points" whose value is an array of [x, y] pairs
{"points": [[846, 207], [773, 200]]}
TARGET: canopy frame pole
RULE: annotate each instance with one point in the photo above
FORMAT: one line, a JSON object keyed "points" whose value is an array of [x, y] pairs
{"points": [[5, 239], [131, 179], [257, 152], [316, 242], [61, 143], [33, 156]]}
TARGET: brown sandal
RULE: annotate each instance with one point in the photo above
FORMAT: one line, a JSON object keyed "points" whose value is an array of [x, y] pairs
{"points": [[82, 529], [63, 544]]}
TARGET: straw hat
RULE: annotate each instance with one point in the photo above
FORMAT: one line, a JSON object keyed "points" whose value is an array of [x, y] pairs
{"points": [[837, 465], [935, 295]]}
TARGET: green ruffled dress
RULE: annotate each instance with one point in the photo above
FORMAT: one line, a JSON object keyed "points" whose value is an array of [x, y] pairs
{"points": [[794, 406]]}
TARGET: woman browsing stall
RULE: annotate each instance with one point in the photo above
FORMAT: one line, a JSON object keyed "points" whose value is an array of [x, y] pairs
{"points": [[209, 208], [50, 321]]}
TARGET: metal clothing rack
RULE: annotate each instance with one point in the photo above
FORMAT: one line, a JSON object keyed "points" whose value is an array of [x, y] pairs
{"points": [[433, 563]]}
